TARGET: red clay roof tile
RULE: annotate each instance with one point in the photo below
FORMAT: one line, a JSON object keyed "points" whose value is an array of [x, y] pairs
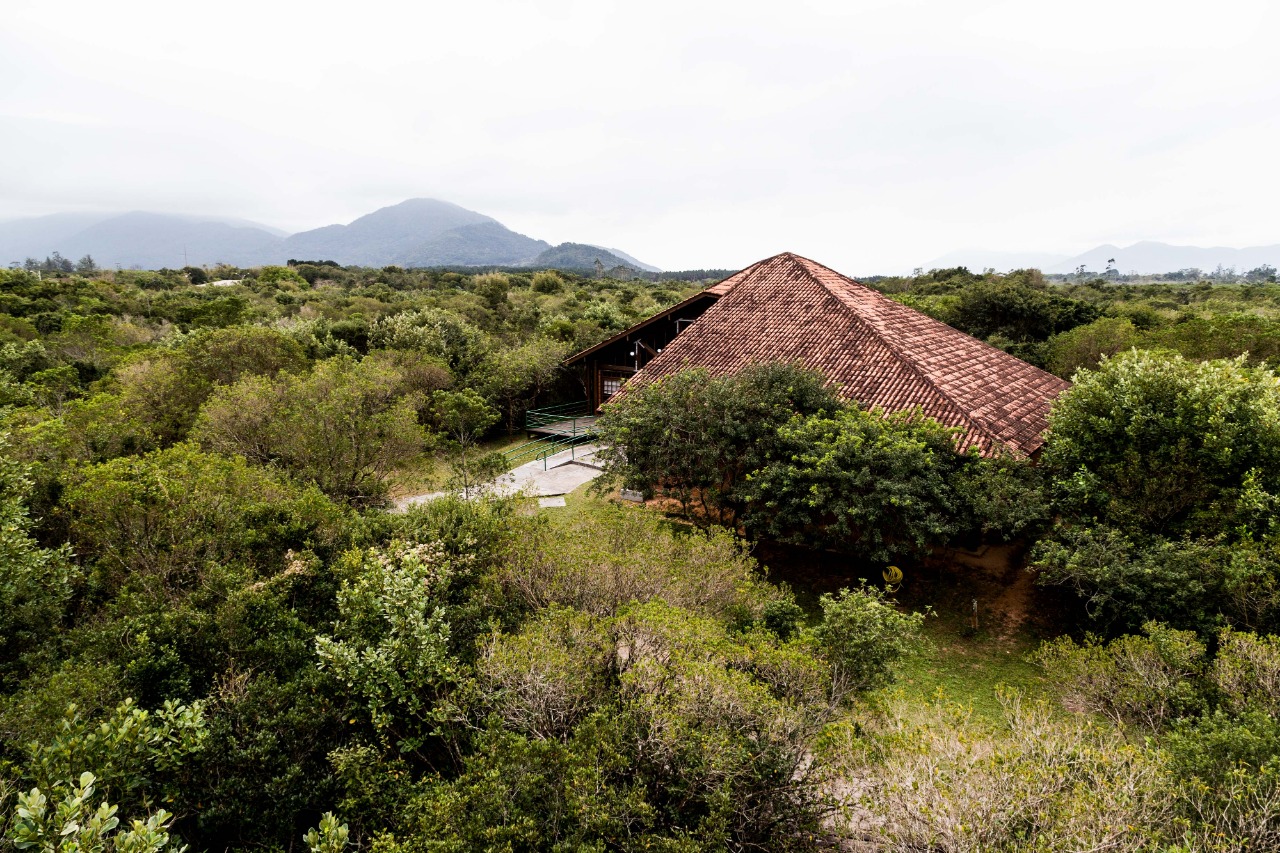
{"points": [[877, 351]]}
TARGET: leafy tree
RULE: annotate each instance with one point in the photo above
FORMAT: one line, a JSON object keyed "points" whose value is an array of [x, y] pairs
{"points": [[1085, 346], [547, 281], [52, 388], [516, 376], [1006, 497], [74, 824], [1018, 308], [1155, 443], [168, 387], [696, 437], [138, 755], [464, 417], [1125, 581], [493, 289], [859, 482], [1220, 336], [438, 333], [173, 514], [391, 643], [546, 679], [91, 344], [345, 426], [223, 356], [1265, 272], [36, 584], [280, 276], [420, 376]]}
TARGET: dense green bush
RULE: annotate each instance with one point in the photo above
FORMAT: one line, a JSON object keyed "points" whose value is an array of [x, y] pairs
{"points": [[1160, 444], [345, 426], [1166, 474], [1211, 727], [862, 482], [696, 437], [36, 584]]}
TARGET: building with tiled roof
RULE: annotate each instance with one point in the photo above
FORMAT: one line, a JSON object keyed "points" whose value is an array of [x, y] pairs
{"points": [[878, 352]]}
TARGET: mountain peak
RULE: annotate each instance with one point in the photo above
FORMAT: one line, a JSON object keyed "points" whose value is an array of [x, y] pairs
{"points": [[414, 232]]}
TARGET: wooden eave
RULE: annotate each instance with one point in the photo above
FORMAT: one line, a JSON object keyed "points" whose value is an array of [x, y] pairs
{"points": [[628, 332]]}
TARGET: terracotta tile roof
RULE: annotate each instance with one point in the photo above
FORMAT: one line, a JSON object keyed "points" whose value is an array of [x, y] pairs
{"points": [[879, 352]]}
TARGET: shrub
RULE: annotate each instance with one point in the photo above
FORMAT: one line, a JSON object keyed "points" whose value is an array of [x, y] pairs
{"points": [[547, 281], [544, 680], [864, 637], [1133, 681], [675, 739], [1246, 671], [859, 482], [696, 437], [936, 781], [346, 426], [601, 561]]}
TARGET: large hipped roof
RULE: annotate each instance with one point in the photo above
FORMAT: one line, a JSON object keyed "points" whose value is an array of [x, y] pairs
{"points": [[877, 351]]}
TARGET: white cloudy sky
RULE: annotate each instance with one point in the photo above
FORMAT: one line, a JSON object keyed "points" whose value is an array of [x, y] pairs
{"points": [[873, 135]]}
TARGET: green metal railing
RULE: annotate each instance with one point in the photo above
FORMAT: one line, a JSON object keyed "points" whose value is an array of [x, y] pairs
{"points": [[568, 425], [569, 419], [542, 449]]}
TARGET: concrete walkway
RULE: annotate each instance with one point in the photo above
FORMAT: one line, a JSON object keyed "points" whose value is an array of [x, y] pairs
{"points": [[561, 474]]}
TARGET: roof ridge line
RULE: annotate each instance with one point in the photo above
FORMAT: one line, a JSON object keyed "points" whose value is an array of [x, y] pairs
{"points": [[979, 424]]}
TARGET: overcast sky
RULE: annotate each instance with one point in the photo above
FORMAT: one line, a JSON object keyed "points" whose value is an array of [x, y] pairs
{"points": [[871, 136]]}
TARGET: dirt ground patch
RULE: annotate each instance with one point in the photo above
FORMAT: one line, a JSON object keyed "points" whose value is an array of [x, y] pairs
{"points": [[985, 592]]}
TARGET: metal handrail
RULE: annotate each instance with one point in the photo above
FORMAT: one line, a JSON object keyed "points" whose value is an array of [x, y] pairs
{"points": [[550, 414], [563, 408], [542, 448], [522, 450]]}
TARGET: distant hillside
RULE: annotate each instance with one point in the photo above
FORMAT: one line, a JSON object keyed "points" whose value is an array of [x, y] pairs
{"points": [[1152, 257], [148, 240], [630, 261], [415, 233], [481, 244], [151, 241], [418, 232], [579, 256], [1146, 258]]}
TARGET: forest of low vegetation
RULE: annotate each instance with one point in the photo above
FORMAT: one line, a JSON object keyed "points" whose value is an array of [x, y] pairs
{"points": [[215, 632]]}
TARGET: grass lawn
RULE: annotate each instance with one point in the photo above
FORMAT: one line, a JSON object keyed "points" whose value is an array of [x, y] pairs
{"points": [[431, 470], [967, 667]]}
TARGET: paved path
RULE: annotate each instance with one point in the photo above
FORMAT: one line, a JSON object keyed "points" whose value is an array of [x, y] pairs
{"points": [[561, 474]]}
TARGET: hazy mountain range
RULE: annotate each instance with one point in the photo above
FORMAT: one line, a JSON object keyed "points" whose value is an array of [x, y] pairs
{"points": [[419, 232], [1145, 258]]}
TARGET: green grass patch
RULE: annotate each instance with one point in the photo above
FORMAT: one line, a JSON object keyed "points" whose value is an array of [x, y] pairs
{"points": [[968, 668], [429, 472]]}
